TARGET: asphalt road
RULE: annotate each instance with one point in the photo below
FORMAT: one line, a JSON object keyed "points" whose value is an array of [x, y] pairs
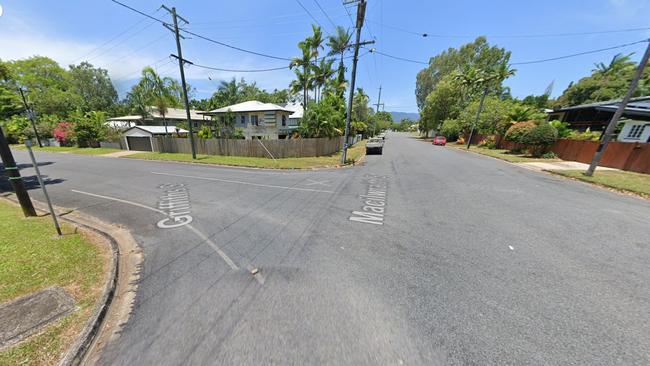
{"points": [[476, 262]]}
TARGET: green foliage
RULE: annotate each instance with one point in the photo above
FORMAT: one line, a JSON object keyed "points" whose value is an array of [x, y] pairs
{"points": [[89, 128], [17, 129], [478, 54], [489, 142], [358, 127], [402, 126], [563, 130], [522, 112], [205, 132], [606, 82], [451, 129], [324, 119], [441, 104], [537, 101], [518, 130], [494, 118], [549, 155], [93, 86], [233, 92], [587, 135], [238, 134], [539, 138]]}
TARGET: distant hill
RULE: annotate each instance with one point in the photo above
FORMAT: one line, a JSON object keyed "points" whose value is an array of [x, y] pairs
{"points": [[398, 116]]}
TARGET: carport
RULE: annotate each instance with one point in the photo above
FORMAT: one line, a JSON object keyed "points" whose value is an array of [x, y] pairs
{"points": [[140, 138]]}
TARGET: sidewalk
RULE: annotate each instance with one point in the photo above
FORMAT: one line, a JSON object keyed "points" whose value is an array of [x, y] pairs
{"points": [[560, 165], [119, 154]]}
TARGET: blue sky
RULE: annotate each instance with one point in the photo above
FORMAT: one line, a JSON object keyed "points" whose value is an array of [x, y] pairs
{"points": [[114, 38]]}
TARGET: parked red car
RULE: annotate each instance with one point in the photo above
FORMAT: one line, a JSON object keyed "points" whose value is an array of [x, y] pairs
{"points": [[440, 140]]}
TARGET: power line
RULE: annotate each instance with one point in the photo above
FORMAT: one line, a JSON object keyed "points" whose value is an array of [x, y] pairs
{"points": [[527, 62], [308, 13], [248, 70], [540, 35], [579, 54], [325, 13]]}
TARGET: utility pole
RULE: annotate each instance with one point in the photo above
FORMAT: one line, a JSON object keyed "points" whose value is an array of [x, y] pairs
{"points": [[379, 103], [13, 174], [181, 61], [478, 116], [361, 13], [30, 114], [609, 131]]}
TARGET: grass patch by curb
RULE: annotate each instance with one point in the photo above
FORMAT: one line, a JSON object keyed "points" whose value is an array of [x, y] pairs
{"points": [[354, 153], [32, 257], [624, 181], [70, 149], [502, 154]]}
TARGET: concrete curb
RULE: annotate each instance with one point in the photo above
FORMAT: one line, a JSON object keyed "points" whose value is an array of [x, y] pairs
{"points": [[78, 351]]}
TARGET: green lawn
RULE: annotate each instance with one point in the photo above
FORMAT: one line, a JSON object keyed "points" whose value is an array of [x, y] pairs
{"points": [[501, 154], [32, 257], [625, 181], [354, 154], [71, 149]]}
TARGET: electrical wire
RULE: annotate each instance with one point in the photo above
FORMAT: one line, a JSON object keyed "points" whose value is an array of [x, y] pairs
{"points": [[308, 13], [398, 58], [325, 13], [579, 54], [541, 35], [235, 70]]}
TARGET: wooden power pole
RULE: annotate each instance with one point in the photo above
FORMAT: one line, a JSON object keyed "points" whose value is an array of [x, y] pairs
{"points": [[13, 174]]}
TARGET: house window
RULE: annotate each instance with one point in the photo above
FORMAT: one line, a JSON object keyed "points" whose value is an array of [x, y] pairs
{"points": [[196, 124], [223, 120], [635, 132], [242, 119], [284, 120], [254, 120]]}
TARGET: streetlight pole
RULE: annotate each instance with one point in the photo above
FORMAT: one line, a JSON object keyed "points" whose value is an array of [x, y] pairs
{"points": [[30, 114]]}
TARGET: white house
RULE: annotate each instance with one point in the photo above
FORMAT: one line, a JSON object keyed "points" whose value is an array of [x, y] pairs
{"points": [[635, 131], [140, 138], [173, 116], [296, 116], [257, 119]]}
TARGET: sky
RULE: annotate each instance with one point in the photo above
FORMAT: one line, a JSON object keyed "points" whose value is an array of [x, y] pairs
{"points": [[123, 42]]}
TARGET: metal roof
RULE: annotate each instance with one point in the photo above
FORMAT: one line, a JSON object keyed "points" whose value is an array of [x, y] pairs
{"points": [[296, 108], [637, 108], [158, 130], [250, 106], [606, 104], [172, 113]]}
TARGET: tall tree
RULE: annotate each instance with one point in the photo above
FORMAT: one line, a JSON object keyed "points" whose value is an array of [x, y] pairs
{"points": [[338, 44], [160, 92], [323, 72], [94, 86], [302, 69]]}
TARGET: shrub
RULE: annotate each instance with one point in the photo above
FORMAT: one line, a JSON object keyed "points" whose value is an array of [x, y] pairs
{"points": [[17, 129], [205, 132], [562, 128], [539, 138], [518, 130], [587, 135], [64, 133], [451, 129], [549, 155], [89, 129], [489, 142]]}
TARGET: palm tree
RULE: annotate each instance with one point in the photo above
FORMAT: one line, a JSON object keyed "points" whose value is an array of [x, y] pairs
{"points": [[618, 62], [303, 80], [322, 74], [162, 92], [338, 44]]}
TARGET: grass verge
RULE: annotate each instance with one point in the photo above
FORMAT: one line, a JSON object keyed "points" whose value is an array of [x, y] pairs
{"points": [[354, 153], [502, 154], [71, 149], [620, 180], [32, 257]]}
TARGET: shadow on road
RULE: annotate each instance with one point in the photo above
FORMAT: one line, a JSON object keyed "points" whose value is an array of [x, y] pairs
{"points": [[30, 181]]}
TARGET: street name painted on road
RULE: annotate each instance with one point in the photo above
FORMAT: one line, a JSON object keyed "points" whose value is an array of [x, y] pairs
{"points": [[374, 201], [176, 203]]}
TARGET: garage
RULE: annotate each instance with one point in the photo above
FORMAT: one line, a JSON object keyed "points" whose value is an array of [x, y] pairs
{"points": [[140, 138], [139, 143]]}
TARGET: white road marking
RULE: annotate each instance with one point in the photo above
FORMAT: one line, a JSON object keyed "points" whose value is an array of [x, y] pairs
{"points": [[243, 183], [510, 247], [315, 182], [211, 243]]}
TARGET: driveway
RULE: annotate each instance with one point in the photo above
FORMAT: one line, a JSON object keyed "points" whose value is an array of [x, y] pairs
{"points": [[424, 255]]}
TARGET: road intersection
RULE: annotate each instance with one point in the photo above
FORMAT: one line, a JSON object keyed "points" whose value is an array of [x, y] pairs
{"points": [[476, 261]]}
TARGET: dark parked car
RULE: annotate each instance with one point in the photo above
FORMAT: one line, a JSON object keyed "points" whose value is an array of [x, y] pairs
{"points": [[440, 140]]}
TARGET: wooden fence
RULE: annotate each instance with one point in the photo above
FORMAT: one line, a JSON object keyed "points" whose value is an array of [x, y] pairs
{"points": [[292, 148]]}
